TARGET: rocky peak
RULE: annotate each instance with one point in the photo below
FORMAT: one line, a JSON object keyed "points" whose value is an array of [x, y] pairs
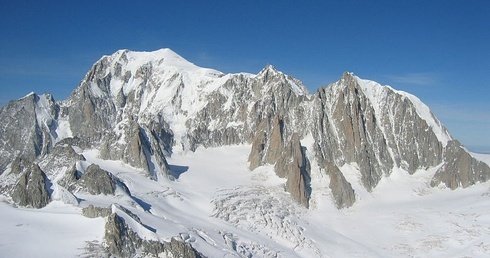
{"points": [[275, 80], [289, 158], [376, 128], [460, 169], [122, 241], [347, 77], [293, 165], [32, 188], [268, 72], [28, 128]]}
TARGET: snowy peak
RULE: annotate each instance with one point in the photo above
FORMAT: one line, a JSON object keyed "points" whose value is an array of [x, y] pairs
{"points": [[377, 94], [269, 75], [151, 80], [127, 66], [380, 97], [164, 57], [377, 129], [268, 70]]}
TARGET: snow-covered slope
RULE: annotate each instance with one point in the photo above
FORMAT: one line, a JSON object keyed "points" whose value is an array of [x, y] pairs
{"points": [[377, 93], [187, 161], [227, 210]]}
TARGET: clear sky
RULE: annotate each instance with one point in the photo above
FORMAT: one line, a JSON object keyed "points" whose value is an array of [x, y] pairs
{"points": [[437, 50]]}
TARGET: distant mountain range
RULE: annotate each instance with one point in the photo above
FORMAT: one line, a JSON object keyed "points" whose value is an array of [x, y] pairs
{"points": [[140, 109]]}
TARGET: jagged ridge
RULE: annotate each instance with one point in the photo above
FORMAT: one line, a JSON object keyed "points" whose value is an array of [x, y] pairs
{"points": [[139, 107]]}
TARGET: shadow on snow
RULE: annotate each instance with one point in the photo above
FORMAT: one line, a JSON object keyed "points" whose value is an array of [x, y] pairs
{"points": [[176, 170]]}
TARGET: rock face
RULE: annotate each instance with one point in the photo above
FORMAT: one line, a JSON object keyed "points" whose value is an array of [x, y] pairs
{"points": [[246, 104], [94, 180], [289, 159], [19, 165], [70, 179], [139, 149], [342, 191], [268, 143], [31, 190], [460, 169], [93, 212], [122, 241], [293, 165], [98, 181], [377, 128], [94, 110], [27, 127], [62, 157]]}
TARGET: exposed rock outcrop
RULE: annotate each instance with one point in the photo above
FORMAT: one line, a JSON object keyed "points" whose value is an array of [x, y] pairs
{"points": [[375, 127], [98, 181], [136, 146], [32, 188], [460, 169], [19, 165], [289, 160], [70, 178], [268, 143], [245, 104], [342, 191], [293, 165], [61, 158], [122, 241], [93, 212], [181, 249], [257, 151], [27, 127]]}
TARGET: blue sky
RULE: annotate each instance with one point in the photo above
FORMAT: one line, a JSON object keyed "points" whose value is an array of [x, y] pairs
{"points": [[437, 50]]}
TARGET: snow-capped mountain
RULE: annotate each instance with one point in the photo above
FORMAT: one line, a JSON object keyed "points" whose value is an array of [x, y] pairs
{"points": [[122, 145]]}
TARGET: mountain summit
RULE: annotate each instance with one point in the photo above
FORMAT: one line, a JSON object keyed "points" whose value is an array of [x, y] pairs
{"points": [[135, 114]]}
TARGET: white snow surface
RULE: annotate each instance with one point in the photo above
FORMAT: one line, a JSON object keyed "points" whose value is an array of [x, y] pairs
{"points": [[57, 230], [224, 210]]}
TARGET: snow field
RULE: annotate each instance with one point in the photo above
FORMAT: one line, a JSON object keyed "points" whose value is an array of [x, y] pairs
{"points": [[57, 230], [224, 210]]}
